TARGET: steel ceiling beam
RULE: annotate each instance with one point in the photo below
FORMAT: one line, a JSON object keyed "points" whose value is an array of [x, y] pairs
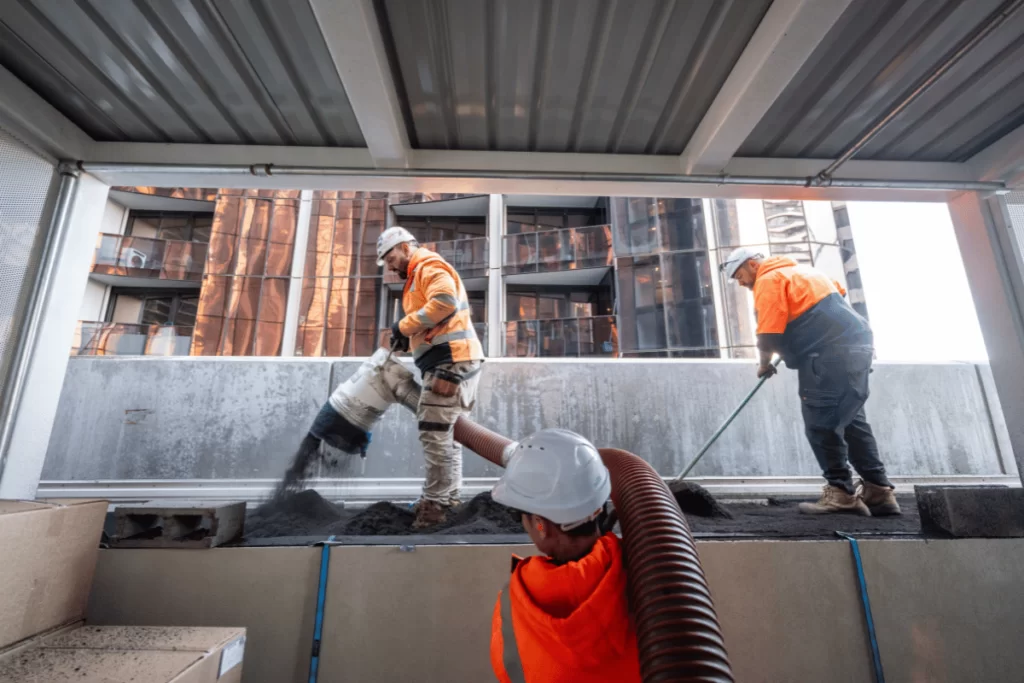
{"points": [[786, 37], [354, 40]]}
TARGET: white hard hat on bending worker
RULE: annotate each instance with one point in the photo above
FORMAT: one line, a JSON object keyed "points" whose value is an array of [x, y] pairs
{"points": [[569, 607]]}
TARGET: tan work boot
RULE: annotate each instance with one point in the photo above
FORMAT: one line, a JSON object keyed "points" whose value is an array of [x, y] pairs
{"points": [[834, 499], [881, 500], [429, 513]]}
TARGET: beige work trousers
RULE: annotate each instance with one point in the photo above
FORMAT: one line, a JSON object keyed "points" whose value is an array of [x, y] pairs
{"points": [[437, 415]]}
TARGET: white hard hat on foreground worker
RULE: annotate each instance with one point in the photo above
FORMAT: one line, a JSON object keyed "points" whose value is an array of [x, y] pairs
{"points": [[558, 475], [391, 238], [564, 615]]}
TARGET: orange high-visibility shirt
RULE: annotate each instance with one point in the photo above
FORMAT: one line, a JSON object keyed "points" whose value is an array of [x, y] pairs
{"points": [[784, 290], [571, 621]]}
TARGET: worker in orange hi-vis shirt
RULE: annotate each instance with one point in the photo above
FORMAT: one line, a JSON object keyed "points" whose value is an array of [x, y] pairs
{"points": [[803, 317]]}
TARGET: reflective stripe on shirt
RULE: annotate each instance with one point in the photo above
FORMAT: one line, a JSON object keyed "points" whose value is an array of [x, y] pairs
{"points": [[510, 654]]}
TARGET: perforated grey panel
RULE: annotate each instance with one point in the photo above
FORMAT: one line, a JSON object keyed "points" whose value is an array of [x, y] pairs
{"points": [[26, 181]]}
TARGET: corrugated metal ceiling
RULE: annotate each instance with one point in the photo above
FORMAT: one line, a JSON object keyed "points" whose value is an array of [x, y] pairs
{"points": [[616, 76], [196, 71], [872, 58], [613, 76]]}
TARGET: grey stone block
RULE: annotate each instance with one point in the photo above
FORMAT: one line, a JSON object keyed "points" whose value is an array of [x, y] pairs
{"points": [[972, 511]]}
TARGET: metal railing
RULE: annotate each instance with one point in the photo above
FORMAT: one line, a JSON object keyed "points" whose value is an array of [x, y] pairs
{"points": [[129, 339], [555, 250], [150, 258], [562, 338]]}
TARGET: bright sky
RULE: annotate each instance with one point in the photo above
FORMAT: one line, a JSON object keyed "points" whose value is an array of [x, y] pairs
{"points": [[916, 290]]}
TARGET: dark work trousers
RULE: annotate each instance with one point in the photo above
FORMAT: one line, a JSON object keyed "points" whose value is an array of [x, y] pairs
{"points": [[833, 391]]}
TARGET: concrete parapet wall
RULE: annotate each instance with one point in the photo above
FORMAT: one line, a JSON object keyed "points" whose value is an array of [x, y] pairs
{"points": [[192, 418], [789, 611]]}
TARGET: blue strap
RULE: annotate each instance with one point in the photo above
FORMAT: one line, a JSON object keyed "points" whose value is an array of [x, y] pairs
{"points": [[876, 656], [321, 598]]}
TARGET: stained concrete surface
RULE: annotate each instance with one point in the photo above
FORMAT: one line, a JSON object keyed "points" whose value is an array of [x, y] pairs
{"points": [[182, 418], [949, 610], [270, 591], [789, 611], [195, 418]]}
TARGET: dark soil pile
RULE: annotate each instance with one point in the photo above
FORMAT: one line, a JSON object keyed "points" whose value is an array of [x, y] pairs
{"points": [[694, 499], [307, 514], [781, 519]]}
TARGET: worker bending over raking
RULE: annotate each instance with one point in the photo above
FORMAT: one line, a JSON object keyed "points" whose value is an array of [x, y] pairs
{"points": [[438, 330], [803, 317], [563, 616]]}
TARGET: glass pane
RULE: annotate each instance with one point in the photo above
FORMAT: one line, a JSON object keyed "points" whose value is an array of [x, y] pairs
{"points": [[682, 224], [519, 223], [547, 222], [157, 311], [174, 228], [201, 234], [186, 313], [143, 225], [127, 309]]}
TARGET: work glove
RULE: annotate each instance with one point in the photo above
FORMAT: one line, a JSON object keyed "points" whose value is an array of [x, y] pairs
{"points": [[399, 342]]}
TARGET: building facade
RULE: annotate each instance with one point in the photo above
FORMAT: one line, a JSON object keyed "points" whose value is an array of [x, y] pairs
{"points": [[211, 272]]}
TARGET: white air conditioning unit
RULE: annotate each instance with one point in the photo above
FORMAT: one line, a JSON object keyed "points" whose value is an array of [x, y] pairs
{"points": [[133, 258]]}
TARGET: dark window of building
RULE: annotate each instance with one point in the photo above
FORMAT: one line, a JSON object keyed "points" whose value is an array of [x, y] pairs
{"points": [[167, 225], [155, 307], [666, 301], [427, 229], [522, 220]]}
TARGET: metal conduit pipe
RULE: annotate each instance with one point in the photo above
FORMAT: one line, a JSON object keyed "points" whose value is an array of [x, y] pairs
{"points": [[53, 246], [983, 30], [272, 170], [677, 630]]}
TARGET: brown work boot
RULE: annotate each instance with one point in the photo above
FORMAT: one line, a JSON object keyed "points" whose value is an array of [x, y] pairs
{"points": [[429, 513], [881, 500], [834, 499]]}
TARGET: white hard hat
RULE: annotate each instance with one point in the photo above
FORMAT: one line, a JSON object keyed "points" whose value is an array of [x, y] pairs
{"points": [[737, 258], [391, 238], [556, 474]]}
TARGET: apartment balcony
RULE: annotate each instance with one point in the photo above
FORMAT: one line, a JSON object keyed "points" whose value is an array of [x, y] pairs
{"points": [[125, 261], [562, 338], [567, 256], [128, 339], [468, 256]]}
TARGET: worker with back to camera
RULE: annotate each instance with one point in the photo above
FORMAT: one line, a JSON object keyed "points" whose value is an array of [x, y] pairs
{"points": [[803, 317], [564, 615], [438, 330]]}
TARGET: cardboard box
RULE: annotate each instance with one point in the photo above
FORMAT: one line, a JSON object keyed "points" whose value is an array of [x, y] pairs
{"points": [[49, 551], [125, 654]]}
